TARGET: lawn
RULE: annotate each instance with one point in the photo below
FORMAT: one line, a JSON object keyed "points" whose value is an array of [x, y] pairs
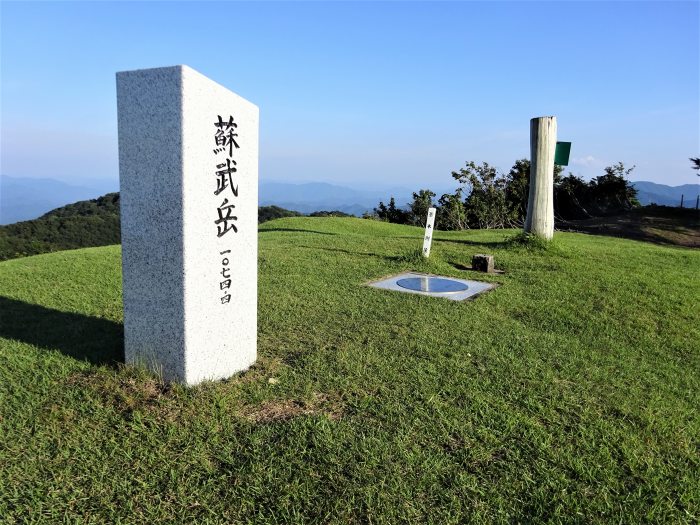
{"points": [[570, 393]]}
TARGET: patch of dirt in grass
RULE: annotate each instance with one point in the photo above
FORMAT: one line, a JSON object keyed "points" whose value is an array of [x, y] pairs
{"points": [[128, 392], [286, 409], [657, 224]]}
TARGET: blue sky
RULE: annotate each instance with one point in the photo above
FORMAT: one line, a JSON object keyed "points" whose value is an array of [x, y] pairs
{"points": [[393, 94]]}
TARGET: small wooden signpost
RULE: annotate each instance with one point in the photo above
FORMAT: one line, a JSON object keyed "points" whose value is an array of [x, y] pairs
{"points": [[428, 237]]}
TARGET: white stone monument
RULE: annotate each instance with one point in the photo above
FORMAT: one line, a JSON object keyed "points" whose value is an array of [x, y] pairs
{"points": [[540, 204], [428, 237], [188, 176]]}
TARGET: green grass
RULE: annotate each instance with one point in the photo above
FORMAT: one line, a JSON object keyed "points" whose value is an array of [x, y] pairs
{"points": [[570, 393]]}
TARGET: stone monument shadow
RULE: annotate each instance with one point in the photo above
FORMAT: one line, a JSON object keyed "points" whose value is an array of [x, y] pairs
{"points": [[298, 230], [490, 244], [98, 341]]}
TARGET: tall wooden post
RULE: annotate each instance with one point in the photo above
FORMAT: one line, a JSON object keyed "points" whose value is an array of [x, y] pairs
{"points": [[540, 205]]}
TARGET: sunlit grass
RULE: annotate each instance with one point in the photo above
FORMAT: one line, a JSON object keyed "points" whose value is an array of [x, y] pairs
{"points": [[569, 393]]}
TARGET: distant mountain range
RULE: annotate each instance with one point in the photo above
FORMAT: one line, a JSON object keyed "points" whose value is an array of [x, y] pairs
{"points": [[653, 193], [25, 198], [316, 196]]}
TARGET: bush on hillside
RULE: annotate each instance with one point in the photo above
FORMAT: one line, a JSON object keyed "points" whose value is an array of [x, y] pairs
{"points": [[268, 213], [486, 198], [334, 213]]}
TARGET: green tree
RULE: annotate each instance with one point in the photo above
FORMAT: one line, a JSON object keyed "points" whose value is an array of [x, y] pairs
{"points": [[451, 213], [612, 192], [517, 189], [486, 205], [391, 213], [422, 201], [571, 198]]}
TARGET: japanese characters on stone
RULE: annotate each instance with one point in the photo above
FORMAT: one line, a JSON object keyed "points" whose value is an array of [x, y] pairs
{"points": [[225, 135], [428, 237], [225, 285]]}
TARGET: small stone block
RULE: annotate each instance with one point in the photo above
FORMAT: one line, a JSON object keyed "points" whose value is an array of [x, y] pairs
{"points": [[483, 263]]}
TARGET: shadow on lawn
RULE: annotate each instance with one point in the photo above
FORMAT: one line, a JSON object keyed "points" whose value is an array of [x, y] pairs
{"points": [[99, 341], [295, 230], [489, 244], [350, 252], [400, 258]]}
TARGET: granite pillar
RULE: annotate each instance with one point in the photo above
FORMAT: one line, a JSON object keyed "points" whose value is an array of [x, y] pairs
{"points": [[188, 175]]}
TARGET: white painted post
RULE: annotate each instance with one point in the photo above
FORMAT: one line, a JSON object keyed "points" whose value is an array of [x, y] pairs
{"points": [[428, 237], [188, 172], [540, 206]]}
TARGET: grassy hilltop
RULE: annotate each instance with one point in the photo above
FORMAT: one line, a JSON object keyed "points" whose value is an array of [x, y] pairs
{"points": [[569, 393]]}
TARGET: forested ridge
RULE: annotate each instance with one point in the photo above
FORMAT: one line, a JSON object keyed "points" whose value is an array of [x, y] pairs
{"points": [[82, 224]]}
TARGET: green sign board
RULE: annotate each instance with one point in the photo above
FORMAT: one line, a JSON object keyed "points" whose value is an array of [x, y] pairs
{"points": [[561, 153]]}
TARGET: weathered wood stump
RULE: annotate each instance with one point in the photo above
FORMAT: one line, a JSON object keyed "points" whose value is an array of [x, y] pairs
{"points": [[483, 263], [540, 204]]}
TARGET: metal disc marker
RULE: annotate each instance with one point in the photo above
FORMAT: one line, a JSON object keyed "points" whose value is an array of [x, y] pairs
{"points": [[432, 285]]}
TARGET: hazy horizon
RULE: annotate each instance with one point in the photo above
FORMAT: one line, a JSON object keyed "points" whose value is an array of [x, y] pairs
{"points": [[367, 94]]}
